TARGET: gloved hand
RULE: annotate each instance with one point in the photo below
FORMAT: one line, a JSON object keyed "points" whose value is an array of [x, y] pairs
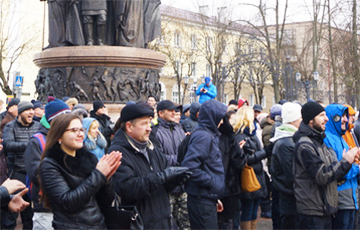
{"points": [[174, 174]]}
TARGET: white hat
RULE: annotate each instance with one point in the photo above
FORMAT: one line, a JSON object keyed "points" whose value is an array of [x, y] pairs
{"points": [[290, 112]]}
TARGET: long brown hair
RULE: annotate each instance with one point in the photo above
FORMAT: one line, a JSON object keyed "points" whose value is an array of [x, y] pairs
{"points": [[58, 127]]}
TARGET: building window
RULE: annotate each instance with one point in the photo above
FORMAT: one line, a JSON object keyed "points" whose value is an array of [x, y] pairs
{"points": [[175, 94], [163, 92], [193, 69], [177, 39], [263, 102], [208, 41], [237, 48], [160, 40], [208, 70], [224, 46], [192, 96], [251, 100], [193, 42]]}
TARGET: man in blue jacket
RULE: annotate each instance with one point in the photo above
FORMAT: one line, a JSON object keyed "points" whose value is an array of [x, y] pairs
{"points": [[207, 91], [203, 158], [347, 186]]}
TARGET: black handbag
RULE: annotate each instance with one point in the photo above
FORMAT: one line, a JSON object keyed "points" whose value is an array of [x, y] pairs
{"points": [[122, 216]]}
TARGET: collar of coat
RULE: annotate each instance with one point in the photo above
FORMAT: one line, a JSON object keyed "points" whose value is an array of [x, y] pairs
{"points": [[81, 165], [150, 144]]}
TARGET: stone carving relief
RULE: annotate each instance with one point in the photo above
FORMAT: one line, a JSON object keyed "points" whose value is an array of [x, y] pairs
{"points": [[109, 84]]}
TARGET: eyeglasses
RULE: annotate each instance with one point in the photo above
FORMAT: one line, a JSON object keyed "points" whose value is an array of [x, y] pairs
{"points": [[76, 130]]}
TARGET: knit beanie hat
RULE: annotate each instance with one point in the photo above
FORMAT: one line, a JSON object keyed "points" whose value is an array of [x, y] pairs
{"points": [[290, 112], [37, 104], [275, 110], [310, 110], [97, 105], [14, 101], [55, 108], [241, 102], [24, 105]]}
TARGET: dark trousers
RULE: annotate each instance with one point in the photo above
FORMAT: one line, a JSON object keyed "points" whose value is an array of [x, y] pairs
{"points": [[344, 219], [202, 213], [275, 208], [26, 216], [225, 218], [289, 222], [314, 222]]}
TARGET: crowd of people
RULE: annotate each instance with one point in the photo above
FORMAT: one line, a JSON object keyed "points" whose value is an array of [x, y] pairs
{"points": [[180, 165]]}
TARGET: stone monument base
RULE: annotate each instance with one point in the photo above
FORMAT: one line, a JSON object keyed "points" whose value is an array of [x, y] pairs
{"points": [[107, 73]]}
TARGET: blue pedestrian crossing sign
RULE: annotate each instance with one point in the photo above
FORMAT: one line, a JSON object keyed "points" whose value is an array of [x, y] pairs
{"points": [[19, 81]]}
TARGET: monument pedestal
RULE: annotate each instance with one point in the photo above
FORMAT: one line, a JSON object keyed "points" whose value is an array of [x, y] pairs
{"points": [[111, 74]]}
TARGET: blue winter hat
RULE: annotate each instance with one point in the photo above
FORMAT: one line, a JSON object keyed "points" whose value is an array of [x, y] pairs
{"points": [[55, 108], [275, 111]]}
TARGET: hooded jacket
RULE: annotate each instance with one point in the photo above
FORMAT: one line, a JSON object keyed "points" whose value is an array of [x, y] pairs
{"points": [[203, 157], [210, 94], [348, 185], [316, 171], [106, 125], [190, 123], [95, 146]]}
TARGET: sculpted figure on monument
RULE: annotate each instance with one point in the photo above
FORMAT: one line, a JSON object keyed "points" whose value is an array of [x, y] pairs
{"points": [[94, 14], [64, 23]]}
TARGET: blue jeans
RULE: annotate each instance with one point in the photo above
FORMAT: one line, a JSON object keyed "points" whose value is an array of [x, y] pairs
{"points": [[314, 222], [249, 209], [344, 219]]}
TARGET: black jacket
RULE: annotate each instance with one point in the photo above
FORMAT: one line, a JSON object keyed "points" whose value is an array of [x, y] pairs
{"points": [[105, 125], [4, 198], [32, 156], [233, 158], [137, 184], [16, 138], [316, 171], [75, 189], [254, 156]]}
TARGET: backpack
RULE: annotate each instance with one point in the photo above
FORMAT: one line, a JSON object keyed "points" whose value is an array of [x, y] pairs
{"points": [[183, 147], [41, 139]]}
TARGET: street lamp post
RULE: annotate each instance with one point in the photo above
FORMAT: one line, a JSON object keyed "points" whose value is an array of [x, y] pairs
{"points": [[307, 84], [194, 88], [288, 80], [186, 82]]}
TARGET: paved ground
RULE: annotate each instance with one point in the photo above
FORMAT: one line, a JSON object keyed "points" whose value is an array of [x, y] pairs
{"points": [[262, 224]]}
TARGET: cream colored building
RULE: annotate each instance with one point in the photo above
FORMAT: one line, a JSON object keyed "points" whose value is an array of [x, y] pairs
{"points": [[194, 44]]}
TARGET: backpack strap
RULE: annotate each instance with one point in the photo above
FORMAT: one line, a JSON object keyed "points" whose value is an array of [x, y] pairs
{"points": [[41, 139]]}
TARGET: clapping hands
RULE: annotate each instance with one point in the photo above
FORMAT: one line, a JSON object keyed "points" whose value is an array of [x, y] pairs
{"points": [[109, 163]]}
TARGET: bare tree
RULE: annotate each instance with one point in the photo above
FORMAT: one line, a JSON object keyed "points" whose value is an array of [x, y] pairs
{"points": [[175, 44], [15, 40]]}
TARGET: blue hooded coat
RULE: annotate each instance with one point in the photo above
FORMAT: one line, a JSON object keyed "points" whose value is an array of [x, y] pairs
{"points": [[96, 147], [348, 186], [203, 157]]}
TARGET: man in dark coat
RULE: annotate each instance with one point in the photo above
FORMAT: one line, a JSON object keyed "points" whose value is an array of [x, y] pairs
{"points": [[106, 126], [316, 170], [169, 135], [144, 179], [16, 137], [203, 158]]}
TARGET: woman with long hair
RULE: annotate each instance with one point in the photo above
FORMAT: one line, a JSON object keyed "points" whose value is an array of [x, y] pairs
{"points": [[74, 183], [245, 130]]}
